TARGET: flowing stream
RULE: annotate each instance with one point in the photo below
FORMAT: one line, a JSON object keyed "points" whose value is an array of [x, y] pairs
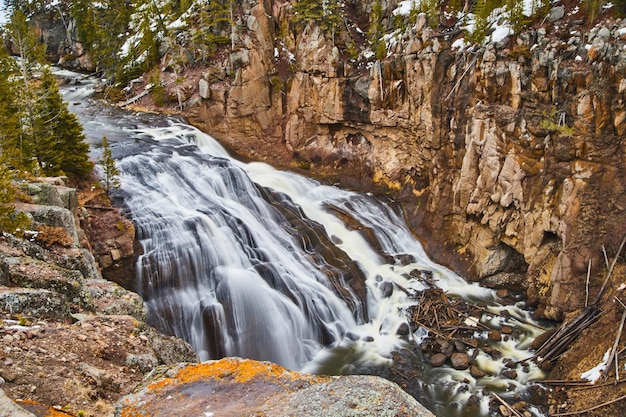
{"points": [[240, 259]]}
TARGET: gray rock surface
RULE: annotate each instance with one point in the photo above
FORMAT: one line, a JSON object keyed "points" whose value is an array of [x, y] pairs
{"points": [[9, 409], [261, 388]]}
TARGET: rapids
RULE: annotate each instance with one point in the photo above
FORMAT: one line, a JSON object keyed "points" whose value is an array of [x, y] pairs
{"points": [[240, 259]]}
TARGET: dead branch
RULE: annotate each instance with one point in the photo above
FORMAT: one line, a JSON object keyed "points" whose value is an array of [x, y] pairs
{"points": [[610, 271], [613, 354], [567, 333], [512, 410]]}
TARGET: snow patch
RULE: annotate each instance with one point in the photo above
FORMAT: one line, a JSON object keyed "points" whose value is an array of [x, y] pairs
{"points": [[595, 373], [459, 44], [404, 7]]}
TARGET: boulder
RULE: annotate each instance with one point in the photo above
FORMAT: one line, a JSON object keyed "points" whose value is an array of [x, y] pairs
{"points": [[34, 303], [249, 387], [111, 299], [52, 216]]}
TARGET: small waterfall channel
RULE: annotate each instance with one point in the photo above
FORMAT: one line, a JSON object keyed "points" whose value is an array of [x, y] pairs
{"points": [[240, 259]]}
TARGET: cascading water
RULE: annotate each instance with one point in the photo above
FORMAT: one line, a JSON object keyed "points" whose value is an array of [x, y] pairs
{"points": [[243, 260]]}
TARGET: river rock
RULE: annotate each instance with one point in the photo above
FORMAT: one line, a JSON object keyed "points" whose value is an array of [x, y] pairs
{"points": [[460, 360], [438, 359], [249, 387], [494, 335], [476, 372]]}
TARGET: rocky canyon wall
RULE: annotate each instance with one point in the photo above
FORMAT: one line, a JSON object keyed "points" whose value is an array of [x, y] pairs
{"points": [[508, 159]]}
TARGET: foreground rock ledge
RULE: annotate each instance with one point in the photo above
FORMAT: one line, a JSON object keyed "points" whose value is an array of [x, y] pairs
{"points": [[242, 387]]}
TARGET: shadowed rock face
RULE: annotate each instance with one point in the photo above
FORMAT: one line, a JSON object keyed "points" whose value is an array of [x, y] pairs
{"points": [[240, 387]]}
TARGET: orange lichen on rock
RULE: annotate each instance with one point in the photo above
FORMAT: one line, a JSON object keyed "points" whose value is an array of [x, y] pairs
{"points": [[239, 371], [41, 410]]}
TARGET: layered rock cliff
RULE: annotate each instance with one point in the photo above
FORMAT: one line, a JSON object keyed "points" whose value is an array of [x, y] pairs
{"points": [[508, 158]]}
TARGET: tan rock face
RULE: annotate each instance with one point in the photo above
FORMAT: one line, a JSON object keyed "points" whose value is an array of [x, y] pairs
{"points": [[509, 160]]}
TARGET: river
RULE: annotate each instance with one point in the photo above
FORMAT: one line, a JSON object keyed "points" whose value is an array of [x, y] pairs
{"points": [[240, 259]]}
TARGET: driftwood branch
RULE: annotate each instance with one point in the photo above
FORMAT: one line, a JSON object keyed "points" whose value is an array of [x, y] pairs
{"points": [[567, 333], [587, 284], [613, 354], [610, 271], [511, 410]]}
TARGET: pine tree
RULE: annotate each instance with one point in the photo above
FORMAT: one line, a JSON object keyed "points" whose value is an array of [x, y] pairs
{"points": [[61, 135], [10, 220], [110, 171], [100, 27], [325, 13], [48, 138], [376, 31], [211, 23], [31, 52], [10, 149]]}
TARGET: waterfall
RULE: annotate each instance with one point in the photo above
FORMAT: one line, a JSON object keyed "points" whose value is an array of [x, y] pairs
{"points": [[220, 267], [240, 259]]}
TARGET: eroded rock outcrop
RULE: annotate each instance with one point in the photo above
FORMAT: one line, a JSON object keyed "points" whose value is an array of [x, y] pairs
{"points": [[249, 387], [70, 338]]}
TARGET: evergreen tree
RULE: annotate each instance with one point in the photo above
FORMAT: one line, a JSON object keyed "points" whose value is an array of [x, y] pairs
{"points": [[211, 23], [109, 169], [62, 140], [47, 138], [376, 31], [325, 13], [10, 221], [10, 148], [101, 27], [31, 52], [27, 7]]}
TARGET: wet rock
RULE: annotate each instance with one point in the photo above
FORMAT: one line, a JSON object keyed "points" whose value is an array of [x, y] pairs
{"points": [[495, 354], [494, 335], [386, 289], [460, 361], [264, 388], [445, 347], [476, 372], [506, 281], [438, 359], [403, 329], [542, 338], [509, 373], [510, 363], [460, 346]]}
